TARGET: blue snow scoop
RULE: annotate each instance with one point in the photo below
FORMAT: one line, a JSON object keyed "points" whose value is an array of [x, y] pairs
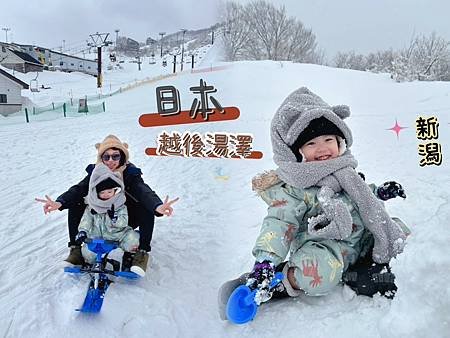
{"points": [[241, 306]]}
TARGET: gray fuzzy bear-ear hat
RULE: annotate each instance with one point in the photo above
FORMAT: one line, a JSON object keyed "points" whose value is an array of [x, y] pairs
{"points": [[294, 115], [101, 173]]}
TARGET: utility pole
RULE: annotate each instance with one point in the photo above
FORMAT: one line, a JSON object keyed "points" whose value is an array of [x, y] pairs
{"points": [[99, 40], [182, 48], [117, 36], [6, 29], [160, 40], [138, 57], [212, 37]]}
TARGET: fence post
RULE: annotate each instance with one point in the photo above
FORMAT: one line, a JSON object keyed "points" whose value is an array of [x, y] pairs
{"points": [[103, 106], [26, 115], [53, 104], [34, 110], [64, 109]]}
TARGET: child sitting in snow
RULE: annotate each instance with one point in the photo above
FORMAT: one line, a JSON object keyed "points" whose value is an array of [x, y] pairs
{"points": [[320, 209], [106, 215]]}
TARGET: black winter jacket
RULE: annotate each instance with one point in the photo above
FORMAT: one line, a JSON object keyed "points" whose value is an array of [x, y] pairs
{"points": [[136, 191]]}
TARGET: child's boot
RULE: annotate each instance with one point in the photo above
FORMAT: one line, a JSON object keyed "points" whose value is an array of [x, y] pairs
{"points": [[367, 278], [127, 261], [75, 257], [226, 290], [140, 261]]}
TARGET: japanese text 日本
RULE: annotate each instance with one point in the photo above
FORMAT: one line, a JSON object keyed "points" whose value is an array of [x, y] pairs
{"points": [[204, 109]]}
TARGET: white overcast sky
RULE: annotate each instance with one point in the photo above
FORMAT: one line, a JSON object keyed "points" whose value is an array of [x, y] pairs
{"points": [[360, 25], [370, 25], [49, 22]]}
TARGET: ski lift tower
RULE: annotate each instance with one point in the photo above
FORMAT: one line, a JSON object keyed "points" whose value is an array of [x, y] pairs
{"points": [[182, 48], [162, 35], [99, 41], [117, 36], [176, 51]]}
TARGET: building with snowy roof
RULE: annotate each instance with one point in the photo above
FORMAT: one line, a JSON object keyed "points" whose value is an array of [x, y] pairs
{"points": [[15, 58], [10, 93]]}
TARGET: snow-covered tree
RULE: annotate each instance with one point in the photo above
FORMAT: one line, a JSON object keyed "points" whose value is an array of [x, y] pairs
{"points": [[427, 58], [401, 68], [236, 31], [380, 61], [350, 60], [270, 28], [260, 31], [301, 46], [430, 57]]}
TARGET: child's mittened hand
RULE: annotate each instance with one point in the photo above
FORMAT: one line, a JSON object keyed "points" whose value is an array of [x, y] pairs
{"points": [[112, 215], [80, 237], [261, 275], [390, 189]]}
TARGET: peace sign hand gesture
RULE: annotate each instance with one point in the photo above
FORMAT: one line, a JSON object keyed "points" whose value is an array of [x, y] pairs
{"points": [[166, 207], [49, 204]]}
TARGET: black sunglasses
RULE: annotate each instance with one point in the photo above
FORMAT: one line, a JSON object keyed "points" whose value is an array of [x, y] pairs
{"points": [[114, 157]]}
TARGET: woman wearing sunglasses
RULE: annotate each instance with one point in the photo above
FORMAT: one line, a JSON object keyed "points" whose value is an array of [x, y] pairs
{"points": [[141, 201]]}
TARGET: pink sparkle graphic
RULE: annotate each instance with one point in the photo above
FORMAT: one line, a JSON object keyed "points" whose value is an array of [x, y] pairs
{"points": [[397, 128]]}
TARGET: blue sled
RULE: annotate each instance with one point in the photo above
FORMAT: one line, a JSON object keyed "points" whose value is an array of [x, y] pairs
{"points": [[241, 306], [99, 274]]}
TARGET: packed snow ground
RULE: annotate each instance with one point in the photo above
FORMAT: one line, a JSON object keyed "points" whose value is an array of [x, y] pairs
{"points": [[210, 236]]}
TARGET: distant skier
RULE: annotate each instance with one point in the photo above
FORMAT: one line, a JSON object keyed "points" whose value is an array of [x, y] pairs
{"points": [[321, 211], [143, 204]]}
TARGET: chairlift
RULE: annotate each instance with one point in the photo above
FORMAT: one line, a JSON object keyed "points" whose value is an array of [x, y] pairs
{"points": [[34, 86]]}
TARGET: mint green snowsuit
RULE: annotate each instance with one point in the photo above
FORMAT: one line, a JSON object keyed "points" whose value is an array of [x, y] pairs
{"points": [[100, 225], [318, 262]]}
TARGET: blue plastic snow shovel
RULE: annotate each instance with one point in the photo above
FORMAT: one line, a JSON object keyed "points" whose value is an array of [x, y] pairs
{"points": [[241, 306]]}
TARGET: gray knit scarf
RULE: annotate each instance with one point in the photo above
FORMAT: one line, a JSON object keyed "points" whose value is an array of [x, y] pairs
{"points": [[335, 222]]}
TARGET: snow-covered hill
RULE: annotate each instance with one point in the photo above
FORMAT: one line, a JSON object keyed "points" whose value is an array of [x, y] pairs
{"points": [[210, 236]]}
